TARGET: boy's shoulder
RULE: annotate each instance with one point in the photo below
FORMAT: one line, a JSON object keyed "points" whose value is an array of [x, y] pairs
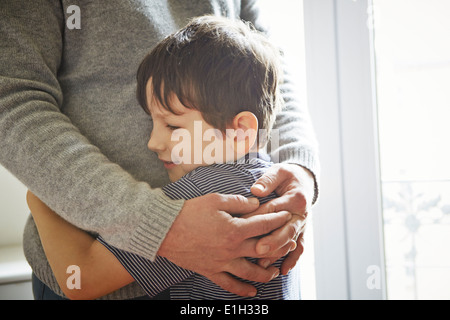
{"points": [[226, 178], [245, 168]]}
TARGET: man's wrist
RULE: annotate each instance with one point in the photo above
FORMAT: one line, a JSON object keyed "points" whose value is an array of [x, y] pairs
{"points": [[308, 180]]}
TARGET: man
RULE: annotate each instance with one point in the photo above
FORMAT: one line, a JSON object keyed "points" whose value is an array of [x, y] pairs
{"points": [[72, 132]]}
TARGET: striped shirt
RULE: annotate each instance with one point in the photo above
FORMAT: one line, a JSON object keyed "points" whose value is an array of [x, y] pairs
{"points": [[155, 277]]}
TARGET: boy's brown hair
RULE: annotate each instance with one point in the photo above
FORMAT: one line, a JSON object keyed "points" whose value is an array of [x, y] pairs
{"points": [[217, 66]]}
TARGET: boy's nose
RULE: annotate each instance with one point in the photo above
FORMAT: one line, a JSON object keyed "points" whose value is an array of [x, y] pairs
{"points": [[155, 144]]}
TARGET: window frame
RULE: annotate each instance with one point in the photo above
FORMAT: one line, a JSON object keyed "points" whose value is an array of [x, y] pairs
{"points": [[347, 221]]}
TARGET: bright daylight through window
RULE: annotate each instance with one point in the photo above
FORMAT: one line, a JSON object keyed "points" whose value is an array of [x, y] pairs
{"points": [[412, 52]]}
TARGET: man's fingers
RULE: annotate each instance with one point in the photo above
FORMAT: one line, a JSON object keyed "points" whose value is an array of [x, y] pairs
{"points": [[247, 270], [280, 238], [291, 201], [267, 183], [262, 224], [292, 257], [236, 204], [248, 249], [230, 284], [267, 207]]}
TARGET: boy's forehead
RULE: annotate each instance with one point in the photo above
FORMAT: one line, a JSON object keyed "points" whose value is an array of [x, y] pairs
{"points": [[155, 106]]}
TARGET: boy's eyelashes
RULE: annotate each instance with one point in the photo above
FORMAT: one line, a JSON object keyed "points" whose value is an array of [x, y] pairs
{"points": [[172, 127]]}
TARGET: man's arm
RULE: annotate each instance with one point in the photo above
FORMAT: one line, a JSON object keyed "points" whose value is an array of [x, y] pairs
{"points": [[45, 151], [102, 273], [65, 245], [103, 267], [224, 243]]}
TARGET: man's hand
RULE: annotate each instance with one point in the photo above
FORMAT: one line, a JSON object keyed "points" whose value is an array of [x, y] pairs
{"points": [[208, 239], [295, 186]]}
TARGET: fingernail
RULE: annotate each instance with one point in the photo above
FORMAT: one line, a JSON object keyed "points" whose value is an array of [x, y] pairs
{"points": [[252, 293], [253, 201], [276, 274], [265, 263], [259, 187], [264, 249], [293, 246]]}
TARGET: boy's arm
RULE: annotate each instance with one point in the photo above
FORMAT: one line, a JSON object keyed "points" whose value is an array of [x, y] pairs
{"points": [[152, 276], [65, 245]]}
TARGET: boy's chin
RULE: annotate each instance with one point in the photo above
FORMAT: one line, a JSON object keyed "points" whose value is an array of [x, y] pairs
{"points": [[174, 175]]}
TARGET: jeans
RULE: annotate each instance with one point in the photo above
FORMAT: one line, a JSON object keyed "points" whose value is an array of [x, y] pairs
{"points": [[42, 292]]}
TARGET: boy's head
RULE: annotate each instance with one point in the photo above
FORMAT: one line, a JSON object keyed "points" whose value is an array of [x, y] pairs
{"points": [[218, 67]]}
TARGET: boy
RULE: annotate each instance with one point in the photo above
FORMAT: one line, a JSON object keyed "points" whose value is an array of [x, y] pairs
{"points": [[214, 80]]}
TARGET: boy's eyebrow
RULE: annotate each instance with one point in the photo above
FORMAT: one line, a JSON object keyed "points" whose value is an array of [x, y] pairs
{"points": [[168, 113], [175, 113]]}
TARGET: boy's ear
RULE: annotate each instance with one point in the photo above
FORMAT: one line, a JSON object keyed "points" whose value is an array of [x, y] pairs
{"points": [[245, 120], [245, 126]]}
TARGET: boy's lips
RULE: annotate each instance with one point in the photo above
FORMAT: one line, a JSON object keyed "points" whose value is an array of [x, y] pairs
{"points": [[168, 164]]}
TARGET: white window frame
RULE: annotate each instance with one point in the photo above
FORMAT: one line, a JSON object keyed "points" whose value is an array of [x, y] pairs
{"points": [[347, 221]]}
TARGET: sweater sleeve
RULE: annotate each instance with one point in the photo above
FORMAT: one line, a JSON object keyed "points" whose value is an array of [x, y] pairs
{"points": [[293, 136], [158, 275], [47, 153]]}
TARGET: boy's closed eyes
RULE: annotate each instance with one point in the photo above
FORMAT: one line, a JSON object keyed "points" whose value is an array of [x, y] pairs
{"points": [[173, 128]]}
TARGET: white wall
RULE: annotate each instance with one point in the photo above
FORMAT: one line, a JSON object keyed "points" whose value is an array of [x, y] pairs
{"points": [[13, 209], [15, 272]]}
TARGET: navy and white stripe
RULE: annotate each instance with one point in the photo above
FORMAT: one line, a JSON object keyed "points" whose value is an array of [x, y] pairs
{"points": [[155, 277]]}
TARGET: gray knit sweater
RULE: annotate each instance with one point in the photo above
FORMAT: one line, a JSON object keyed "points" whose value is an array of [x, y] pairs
{"points": [[70, 126]]}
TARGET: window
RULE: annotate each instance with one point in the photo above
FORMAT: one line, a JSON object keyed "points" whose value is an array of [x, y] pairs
{"points": [[377, 78], [413, 76]]}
